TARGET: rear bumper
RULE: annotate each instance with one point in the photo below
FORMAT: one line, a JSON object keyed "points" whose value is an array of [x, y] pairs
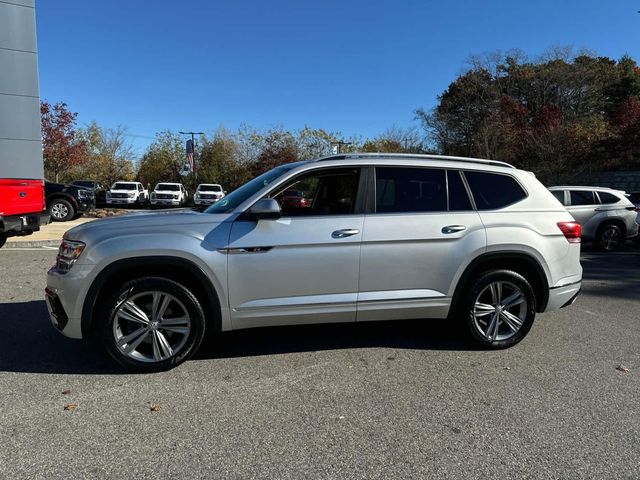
{"points": [[23, 224], [560, 297]]}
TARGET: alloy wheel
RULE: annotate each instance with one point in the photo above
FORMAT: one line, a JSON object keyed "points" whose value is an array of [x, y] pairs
{"points": [[151, 326], [610, 238], [59, 210], [499, 311]]}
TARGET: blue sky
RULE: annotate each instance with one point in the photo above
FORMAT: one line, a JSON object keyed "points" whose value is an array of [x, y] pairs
{"points": [[352, 66]]}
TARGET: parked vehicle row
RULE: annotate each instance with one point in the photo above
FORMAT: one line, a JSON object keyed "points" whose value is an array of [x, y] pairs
{"points": [[377, 237]]}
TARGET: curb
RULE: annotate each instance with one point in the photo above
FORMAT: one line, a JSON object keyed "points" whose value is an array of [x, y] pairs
{"points": [[31, 244]]}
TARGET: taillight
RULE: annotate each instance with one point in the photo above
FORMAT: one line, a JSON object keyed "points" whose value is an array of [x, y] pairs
{"points": [[571, 230], [633, 208]]}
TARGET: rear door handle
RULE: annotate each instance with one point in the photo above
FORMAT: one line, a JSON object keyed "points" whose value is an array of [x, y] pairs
{"points": [[345, 232], [453, 228]]}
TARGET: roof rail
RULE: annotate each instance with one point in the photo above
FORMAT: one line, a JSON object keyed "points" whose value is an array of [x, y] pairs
{"points": [[345, 156]]}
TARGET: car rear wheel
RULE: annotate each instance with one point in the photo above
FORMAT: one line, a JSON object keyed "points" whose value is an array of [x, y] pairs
{"points": [[499, 309], [61, 210], [153, 324], [610, 238]]}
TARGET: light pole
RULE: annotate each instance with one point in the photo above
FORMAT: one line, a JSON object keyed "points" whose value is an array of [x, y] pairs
{"points": [[338, 145], [193, 143]]}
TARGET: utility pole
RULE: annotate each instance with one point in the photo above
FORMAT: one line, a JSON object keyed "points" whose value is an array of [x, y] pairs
{"points": [[338, 146], [195, 169]]}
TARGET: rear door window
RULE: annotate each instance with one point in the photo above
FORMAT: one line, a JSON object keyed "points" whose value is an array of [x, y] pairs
{"points": [[559, 194], [492, 191], [582, 197], [406, 189], [458, 197]]}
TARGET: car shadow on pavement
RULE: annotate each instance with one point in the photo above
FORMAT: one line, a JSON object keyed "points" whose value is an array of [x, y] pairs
{"points": [[30, 344], [405, 334]]}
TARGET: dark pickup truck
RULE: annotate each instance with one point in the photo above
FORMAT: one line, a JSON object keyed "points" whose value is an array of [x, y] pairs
{"points": [[66, 202]]}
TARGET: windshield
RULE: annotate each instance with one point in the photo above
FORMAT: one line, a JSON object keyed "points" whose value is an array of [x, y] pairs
{"points": [[123, 186], [82, 183], [167, 186], [209, 188], [240, 194]]}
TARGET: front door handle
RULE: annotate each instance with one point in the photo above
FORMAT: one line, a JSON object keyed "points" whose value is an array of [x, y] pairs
{"points": [[453, 228], [346, 232]]}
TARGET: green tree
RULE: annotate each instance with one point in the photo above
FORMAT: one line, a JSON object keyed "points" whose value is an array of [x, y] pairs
{"points": [[163, 160], [555, 115], [108, 155]]}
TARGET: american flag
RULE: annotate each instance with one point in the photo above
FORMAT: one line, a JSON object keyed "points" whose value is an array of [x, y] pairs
{"points": [[190, 154]]}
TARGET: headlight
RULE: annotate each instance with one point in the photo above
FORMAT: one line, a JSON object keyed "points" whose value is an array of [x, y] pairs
{"points": [[132, 195], [197, 195], [68, 253], [85, 194], [176, 196], [153, 194]]}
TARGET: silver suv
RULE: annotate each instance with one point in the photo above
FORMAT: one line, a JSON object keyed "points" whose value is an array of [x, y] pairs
{"points": [[607, 216], [377, 237]]}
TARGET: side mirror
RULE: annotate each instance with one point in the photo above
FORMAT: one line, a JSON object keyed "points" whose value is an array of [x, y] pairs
{"points": [[265, 209]]}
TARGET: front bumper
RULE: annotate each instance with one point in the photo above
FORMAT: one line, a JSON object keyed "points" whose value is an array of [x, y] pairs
{"points": [[65, 294], [121, 201], [205, 201], [560, 297], [165, 201], [24, 224]]}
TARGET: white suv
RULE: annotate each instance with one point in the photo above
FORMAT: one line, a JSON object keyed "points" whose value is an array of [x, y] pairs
{"points": [[127, 193], [607, 216], [378, 237], [208, 193], [172, 194]]}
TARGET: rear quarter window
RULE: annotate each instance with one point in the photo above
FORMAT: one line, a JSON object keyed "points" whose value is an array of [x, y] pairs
{"points": [[492, 191], [608, 198]]}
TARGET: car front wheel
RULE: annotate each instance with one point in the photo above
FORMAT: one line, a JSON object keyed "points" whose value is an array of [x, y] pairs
{"points": [[153, 324], [499, 309]]}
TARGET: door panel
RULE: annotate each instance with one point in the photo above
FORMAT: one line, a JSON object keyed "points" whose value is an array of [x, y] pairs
{"points": [[294, 270], [412, 249], [408, 263]]}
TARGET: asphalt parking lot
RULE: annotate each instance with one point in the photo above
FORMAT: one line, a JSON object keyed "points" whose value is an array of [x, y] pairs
{"points": [[384, 400]]}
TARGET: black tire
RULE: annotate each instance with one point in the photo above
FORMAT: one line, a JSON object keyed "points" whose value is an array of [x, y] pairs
{"points": [[480, 289], [610, 238], [136, 289], [61, 210], [3, 239]]}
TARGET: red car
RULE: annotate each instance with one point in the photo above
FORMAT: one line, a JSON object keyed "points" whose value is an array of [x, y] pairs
{"points": [[294, 199]]}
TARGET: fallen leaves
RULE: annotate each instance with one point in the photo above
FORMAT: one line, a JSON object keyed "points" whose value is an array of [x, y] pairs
{"points": [[66, 391], [622, 368], [154, 408], [70, 407]]}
